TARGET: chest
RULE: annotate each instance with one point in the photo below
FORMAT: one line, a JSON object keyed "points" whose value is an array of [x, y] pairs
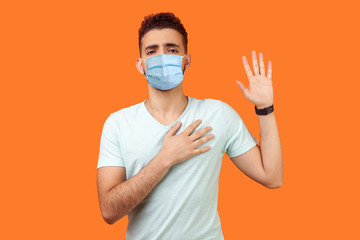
{"points": [[141, 141]]}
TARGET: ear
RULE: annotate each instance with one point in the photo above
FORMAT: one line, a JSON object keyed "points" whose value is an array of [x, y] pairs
{"points": [[187, 61], [140, 66]]}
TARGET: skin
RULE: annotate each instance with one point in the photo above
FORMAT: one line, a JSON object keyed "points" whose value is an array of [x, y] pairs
{"points": [[263, 164]]}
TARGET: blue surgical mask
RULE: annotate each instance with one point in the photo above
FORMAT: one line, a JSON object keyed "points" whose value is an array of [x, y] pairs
{"points": [[164, 71]]}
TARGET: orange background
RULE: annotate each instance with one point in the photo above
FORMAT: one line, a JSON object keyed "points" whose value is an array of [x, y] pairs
{"points": [[66, 65]]}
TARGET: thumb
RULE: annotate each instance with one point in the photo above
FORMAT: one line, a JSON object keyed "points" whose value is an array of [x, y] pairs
{"points": [[173, 129], [243, 88]]}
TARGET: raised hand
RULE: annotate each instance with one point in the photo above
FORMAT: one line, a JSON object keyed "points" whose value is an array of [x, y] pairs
{"points": [[260, 91]]}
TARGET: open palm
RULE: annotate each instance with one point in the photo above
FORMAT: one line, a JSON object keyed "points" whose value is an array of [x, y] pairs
{"points": [[260, 91]]}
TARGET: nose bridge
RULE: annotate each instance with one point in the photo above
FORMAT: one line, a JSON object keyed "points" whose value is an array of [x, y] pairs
{"points": [[161, 49]]}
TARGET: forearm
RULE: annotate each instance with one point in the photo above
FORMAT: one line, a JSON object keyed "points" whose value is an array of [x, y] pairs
{"points": [[270, 147], [124, 197]]}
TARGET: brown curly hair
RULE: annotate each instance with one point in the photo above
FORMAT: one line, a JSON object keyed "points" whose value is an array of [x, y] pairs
{"points": [[160, 21]]}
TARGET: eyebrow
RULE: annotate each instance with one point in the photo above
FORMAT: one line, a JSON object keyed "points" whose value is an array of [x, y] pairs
{"points": [[165, 44]]}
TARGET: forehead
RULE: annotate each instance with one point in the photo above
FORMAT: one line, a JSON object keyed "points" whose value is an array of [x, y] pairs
{"points": [[162, 36]]}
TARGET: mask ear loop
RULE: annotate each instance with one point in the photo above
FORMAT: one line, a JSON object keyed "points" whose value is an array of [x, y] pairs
{"points": [[143, 60], [184, 65]]}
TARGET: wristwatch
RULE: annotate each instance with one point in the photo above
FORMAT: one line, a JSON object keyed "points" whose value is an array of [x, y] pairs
{"points": [[264, 111]]}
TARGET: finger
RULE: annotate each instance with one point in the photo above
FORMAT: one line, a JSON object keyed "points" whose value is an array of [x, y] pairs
{"points": [[201, 150], [255, 63], [199, 133], [243, 88], [173, 129], [262, 66], [247, 68], [191, 127], [269, 70], [202, 140]]}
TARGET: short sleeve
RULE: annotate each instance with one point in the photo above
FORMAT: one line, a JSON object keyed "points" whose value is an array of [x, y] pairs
{"points": [[110, 152], [238, 138]]}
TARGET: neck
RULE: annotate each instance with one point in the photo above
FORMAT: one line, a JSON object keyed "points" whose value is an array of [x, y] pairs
{"points": [[166, 104]]}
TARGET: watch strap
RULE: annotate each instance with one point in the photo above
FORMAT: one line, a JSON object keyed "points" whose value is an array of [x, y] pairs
{"points": [[264, 111]]}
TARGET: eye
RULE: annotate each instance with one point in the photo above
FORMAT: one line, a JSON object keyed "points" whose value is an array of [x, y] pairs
{"points": [[150, 52], [173, 50]]}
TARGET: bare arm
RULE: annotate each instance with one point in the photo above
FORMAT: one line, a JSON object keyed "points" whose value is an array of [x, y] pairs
{"points": [[118, 197], [270, 146], [262, 164], [119, 200]]}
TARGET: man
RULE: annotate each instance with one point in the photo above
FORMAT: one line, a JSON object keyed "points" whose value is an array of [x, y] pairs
{"points": [[159, 160]]}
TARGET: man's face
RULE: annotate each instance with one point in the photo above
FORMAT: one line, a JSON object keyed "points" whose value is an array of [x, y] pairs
{"points": [[162, 41]]}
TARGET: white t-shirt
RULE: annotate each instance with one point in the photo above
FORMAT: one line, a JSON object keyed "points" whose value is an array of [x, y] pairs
{"points": [[183, 205]]}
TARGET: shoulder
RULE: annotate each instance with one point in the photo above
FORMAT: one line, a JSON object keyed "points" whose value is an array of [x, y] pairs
{"points": [[126, 112], [213, 105], [222, 106], [229, 112], [122, 117], [207, 102], [218, 102]]}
